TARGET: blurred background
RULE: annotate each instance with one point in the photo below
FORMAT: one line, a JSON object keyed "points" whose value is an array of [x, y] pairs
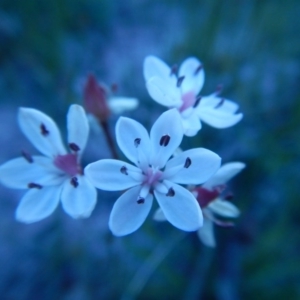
{"points": [[252, 48]]}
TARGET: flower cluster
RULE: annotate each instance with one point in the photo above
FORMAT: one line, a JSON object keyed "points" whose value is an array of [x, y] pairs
{"points": [[188, 186]]}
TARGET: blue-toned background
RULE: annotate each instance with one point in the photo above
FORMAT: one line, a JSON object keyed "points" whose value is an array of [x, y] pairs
{"points": [[47, 48]]}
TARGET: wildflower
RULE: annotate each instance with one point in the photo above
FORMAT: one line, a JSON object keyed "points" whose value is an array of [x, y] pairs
{"points": [[181, 92], [55, 176], [211, 202], [153, 174], [98, 102]]}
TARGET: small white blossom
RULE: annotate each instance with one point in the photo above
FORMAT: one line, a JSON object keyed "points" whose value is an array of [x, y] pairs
{"points": [[55, 176], [212, 204], [153, 174], [181, 92]]}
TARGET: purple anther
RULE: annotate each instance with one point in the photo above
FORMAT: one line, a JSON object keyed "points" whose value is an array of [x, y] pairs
{"points": [[74, 147], [199, 68], [165, 139], [27, 156], [74, 182], [140, 200], [198, 99], [124, 170], [33, 185], [179, 81], [188, 162], [137, 142], [170, 193], [44, 130], [220, 103]]}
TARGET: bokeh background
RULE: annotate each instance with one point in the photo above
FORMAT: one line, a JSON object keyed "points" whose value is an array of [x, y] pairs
{"points": [[47, 48]]}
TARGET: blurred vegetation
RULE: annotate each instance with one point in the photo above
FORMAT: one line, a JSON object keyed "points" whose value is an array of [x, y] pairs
{"points": [[252, 48]]}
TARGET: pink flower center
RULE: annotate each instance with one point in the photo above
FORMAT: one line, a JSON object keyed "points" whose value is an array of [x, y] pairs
{"points": [[188, 100], [68, 163], [152, 176], [204, 196]]}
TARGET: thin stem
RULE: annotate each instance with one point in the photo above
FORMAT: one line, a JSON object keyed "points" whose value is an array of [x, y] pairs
{"points": [[143, 274], [109, 139]]}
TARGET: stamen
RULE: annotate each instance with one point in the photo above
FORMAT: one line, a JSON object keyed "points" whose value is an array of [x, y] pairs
{"points": [[179, 81], [229, 196], [27, 156], [74, 147], [197, 101], [33, 185], [187, 163], [137, 142], [124, 170], [170, 193], [74, 182], [44, 130], [199, 68], [140, 200], [174, 70], [220, 103], [164, 141]]}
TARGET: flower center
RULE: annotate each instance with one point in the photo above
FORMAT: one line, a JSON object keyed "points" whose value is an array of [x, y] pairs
{"points": [[68, 163], [152, 176], [204, 196], [188, 100]]}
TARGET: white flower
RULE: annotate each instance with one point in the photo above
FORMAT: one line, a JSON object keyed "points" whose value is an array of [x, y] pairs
{"points": [[208, 196], [153, 173], [181, 92], [55, 176]]}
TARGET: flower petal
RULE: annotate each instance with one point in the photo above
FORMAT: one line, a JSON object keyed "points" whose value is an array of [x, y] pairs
{"points": [[224, 208], [164, 92], [78, 127], [127, 214], [159, 215], [191, 124], [193, 74], [213, 101], [193, 166], [38, 204], [166, 135], [41, 131], [206, 233], [155, 67], [119, 105], [181, 209], [113, 175], [18, 172], [133, 140], [224, 174], [79, 201]]}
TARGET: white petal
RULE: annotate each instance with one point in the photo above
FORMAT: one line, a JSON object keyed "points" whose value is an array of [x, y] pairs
{"points": [[181, 210], [18, 172], [224, 208], [155, 67], [164, 92], [202, 162], [191, 125], [38, 204], [127, 215], [106, 174], [78, 127], [224, 174], [133, 140], [213, 101], [119, 105], [159, 215], [41, 131], [193, 77], [79, 201], [206, 233], [168, 124]]}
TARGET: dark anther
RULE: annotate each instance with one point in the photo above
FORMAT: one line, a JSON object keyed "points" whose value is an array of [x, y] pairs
{"points": [[44, 130], [188, 162], [165, 139], [170, 193], [33, 185], [74, 182], [229, 196], [74, 147], [179, 81], [27, 156], [220, 103], [198, 99], [140, 200], [137, 141], [174, 70], [124, 170], [199, 68]]}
